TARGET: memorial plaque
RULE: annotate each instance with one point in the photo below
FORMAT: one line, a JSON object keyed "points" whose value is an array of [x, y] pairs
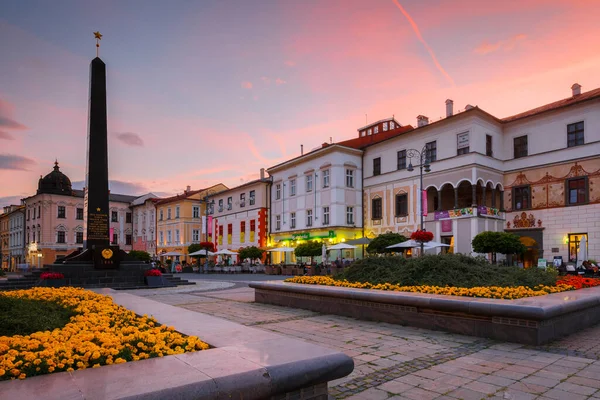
{"points": [[97, 226]]}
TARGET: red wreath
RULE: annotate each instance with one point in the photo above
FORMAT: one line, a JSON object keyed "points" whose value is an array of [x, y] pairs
{"points": [[422, 236]]}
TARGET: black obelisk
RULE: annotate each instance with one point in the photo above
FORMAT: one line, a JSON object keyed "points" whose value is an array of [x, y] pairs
{"points": [[96, 224]]}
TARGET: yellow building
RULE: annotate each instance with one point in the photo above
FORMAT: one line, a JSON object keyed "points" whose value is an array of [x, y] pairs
{"points": [[180, 221]]}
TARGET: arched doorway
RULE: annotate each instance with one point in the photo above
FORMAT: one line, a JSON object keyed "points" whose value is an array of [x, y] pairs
{"points": [[531, 255]]}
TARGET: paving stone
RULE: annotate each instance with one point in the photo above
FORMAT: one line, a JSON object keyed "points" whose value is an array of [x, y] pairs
{"points": [[558, 394], [528, 388], [513, 394], [420, 394], [482, 387], [536, 380], [583, 381], [466, 394], [578, 389], [496, 380], [395, 387]]}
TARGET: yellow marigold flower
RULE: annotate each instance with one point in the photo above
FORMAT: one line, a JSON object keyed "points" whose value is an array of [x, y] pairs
{"points": [[22, 376]]}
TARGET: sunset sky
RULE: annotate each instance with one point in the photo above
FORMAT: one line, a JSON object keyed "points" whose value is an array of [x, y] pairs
{"points": [[201, 92]]}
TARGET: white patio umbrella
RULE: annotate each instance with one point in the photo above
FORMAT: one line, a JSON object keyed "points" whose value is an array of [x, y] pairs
{"points": [[225, 252], [582, 252], [341, 246], [171, 254], [202, 252], [284, 249], [413, 243]]}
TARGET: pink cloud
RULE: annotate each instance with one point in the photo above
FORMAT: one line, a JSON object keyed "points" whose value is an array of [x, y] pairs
{"points": [[6, 136], [280, 81], [508, 44], [247, 85], [290, 63], [265, 79]]}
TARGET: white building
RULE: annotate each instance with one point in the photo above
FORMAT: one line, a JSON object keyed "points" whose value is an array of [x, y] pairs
{"points": [[143, 210], [317, 196]]}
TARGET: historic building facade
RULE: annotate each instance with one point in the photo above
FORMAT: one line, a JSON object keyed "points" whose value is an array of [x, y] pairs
{"points": [[238, 216], [54, 219], [316, 196], [143, 210], [179, 220], [13, 237]]}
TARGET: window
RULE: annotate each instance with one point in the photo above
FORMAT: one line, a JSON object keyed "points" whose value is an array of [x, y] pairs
{"points": [[350, 178], [326, 178], [520, 146], [309, 183], [168, 213], [62, 212], [392, 126], [162, 238], [79, 237], [114, 216], [575, 134], [220, 205], [574, 242], [385, 126], [462, 143], [177, 236], [577, 191], [376, 208], [242, 199], [60, 238], [195, 235], [33, 213], [79, 213], [309, 218], [33, 233], [278, 222], [488, 146], [177, 212], [115, 238], [39, 214], [28, 214], [195, 211], [278, 191], [128, 218], [401, 159], [369, 132], [252, 197], [350, 215], [292, 220], [401, 205], [362, 133], [229, 202], [325, 215], [521, 198], [128, 240], [376, 130], [293, 187], [431, 151], [160, 218], [377, 166], [169, 237]]}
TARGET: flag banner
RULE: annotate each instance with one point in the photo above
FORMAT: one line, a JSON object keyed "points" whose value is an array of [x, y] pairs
{"points": [[424, 203]]}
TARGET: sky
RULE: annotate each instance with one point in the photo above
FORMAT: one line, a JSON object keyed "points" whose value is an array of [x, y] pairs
{"points": [[206, 92]]}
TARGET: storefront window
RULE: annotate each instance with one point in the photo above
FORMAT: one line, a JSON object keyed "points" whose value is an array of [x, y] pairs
{"points": [[574, 240], [449, 240]]}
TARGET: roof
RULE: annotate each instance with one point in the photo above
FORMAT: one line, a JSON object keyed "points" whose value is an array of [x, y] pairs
{"points": [[188, 194], [255, 181], [324, 147], [364, 141], [121, 198], [569, 101], [378, 122]]}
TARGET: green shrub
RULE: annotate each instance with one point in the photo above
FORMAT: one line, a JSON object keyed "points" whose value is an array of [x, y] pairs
{"points": [[26, 316], [140, 255], [444, 270]]}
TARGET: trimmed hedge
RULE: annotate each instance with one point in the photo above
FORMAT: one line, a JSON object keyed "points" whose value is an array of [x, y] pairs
{"points": [[25, 316], [444, 270]]}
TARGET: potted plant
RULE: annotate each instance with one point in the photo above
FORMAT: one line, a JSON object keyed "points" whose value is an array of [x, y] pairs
{"points": [[154, 278], [53, 279]]}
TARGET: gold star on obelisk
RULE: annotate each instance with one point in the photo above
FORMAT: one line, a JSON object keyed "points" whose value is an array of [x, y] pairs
{"points": [[98, 209], [98, 37]]}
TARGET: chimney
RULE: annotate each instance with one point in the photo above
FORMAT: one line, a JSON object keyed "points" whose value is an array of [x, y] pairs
{"points": [[422, 121], [301, 149], [468, 107], [188, 189], [449, 108], [262, 173], [576, 88]]}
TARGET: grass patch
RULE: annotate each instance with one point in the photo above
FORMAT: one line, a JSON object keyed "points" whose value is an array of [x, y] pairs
{"points": [[25, 316], [443, 270]]}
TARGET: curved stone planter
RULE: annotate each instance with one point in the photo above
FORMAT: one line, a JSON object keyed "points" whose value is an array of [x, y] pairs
{"points": [[532, 320], [247, 363]]}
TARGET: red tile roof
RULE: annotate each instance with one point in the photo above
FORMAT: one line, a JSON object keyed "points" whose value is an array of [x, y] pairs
{"points": [[569, 101], [364, 141], [182, 196]]}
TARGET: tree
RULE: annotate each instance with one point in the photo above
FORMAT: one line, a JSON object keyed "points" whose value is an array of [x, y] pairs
{"points": [[497, 242], [210, 246], [194, 247], [309, 249], [251, 252], [380, 243], [140, 255]]}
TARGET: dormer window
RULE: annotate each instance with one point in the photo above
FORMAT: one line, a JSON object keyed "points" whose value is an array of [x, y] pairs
{"points": [[369, 132], [362, 133], [376, 130], [385, 126], [392, 125]]}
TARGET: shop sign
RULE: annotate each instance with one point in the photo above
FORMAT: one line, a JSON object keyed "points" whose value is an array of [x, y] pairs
{"points": [[301, 236], [462, 140], [451, 214], [489, 211], [447, 225]]}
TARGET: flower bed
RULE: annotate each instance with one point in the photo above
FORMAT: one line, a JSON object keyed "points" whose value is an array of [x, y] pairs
{"points": [[51, 275], [491, 292], [102, 333], [153, 272]]}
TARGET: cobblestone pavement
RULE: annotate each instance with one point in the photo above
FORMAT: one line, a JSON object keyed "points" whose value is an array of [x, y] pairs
{"points": [[399, 362]]}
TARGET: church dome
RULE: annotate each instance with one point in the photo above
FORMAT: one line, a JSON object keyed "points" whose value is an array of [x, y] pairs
{"points": [[55, 183]]}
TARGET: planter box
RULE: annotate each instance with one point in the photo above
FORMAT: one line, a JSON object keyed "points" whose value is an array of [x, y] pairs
{"points": [[53, 282], [156, 281], [188, 270]]}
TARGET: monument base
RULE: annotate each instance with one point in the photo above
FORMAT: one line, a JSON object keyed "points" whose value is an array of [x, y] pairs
{"points": [[85, 274]]}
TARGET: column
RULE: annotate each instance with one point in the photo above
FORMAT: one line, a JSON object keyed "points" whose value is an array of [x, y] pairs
{"points": [[502, 200], [456, 197], [439, 207], [483, 199], [494, 198], [474, 195]]}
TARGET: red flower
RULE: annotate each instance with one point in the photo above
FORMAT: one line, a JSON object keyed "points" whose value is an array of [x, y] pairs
{"points": [[578, 282], [51, 275], [153, 272], [422, 236]]}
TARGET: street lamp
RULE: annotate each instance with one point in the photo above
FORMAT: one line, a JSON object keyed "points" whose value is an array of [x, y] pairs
{"points": [[39, 259], [423, 166], [207, 204]]}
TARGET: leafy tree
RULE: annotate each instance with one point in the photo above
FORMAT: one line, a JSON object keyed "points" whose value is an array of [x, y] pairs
{"points": [[380, 243], [210, 246], [251, 252], [140, 255], [497, 242], [194, 247], [309, 249]]}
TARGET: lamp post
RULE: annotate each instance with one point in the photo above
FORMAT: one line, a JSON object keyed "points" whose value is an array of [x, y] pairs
{"points": [[423, 165], [207, 204]]}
